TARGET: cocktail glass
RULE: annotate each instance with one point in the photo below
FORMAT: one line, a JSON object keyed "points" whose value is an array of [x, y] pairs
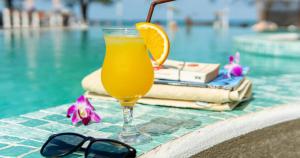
{"points": [[127, 75]]}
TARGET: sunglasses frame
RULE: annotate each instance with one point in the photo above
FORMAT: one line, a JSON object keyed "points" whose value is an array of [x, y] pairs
{"points": [[131, 151]]}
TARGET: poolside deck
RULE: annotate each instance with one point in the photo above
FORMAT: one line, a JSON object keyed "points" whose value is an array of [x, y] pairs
{"points": [[182, 132], [175, 132]]}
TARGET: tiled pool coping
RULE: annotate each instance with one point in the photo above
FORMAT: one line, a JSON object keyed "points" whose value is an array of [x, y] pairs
{"points": [[23, 135]]}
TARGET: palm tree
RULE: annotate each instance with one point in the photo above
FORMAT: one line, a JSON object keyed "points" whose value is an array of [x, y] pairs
{"points": [[9, 4]]}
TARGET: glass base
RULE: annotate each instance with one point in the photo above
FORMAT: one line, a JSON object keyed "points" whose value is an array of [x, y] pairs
{"points": [[135, 139]]}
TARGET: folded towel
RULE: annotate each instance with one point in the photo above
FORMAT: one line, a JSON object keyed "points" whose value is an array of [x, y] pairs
{"points": [[178, 103], [92, 83]]}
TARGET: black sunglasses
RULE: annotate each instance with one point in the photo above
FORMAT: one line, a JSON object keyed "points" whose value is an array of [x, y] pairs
{"points": [[63, 144]]}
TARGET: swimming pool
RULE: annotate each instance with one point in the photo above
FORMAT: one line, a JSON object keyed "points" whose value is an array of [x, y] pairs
{"points": [[44, 68]]}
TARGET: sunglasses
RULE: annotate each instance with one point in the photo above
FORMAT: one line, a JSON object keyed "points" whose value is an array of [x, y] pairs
{"points": [[63, 144]]}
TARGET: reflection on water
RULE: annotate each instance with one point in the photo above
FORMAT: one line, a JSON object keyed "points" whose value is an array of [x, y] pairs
{"points": [[45, 67], [41, 68]]}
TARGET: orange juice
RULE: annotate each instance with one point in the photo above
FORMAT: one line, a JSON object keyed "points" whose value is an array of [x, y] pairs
{"points": [[127, 72]]}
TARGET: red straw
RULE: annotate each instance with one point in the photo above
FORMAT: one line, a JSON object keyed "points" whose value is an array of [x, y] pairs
{"points": [[152, 6]]}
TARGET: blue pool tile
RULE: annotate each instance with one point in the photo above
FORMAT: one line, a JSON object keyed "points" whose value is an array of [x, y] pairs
{"points": [[32, 143], [207, 120], [237, 112], [35, 154], [58, 118], [113, 120], [15, 151], [222, 115], [180, 132], [3, 124], [163, 138], [2, 145], [147, 146], [34, 122], [112, 129], [54, 127], [17, 119], [10, 139]]}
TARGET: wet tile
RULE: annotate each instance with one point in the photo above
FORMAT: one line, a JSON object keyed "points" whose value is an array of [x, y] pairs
{"points": [[35, 154], [32, 143], [18, 131], [163, 138], [58, 118], [222, 115], [112, 129], [207, 120], [36, 115], [147, 146], [10, 139], [54, 127], [15, 151], [17, 119], [34, 122], [2, 145], [112, 120]]}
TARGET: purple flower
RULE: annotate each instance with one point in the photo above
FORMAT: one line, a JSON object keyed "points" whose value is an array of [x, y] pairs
{"points": [[83, 111], [234, 68]]}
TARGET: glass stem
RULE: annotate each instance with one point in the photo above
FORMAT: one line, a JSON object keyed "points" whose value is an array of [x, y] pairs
{"points": [[128, 127]]}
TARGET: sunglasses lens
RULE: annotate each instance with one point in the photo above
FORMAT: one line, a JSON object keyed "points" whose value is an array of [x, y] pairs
{"points": [[105, 149], [60, 145]]}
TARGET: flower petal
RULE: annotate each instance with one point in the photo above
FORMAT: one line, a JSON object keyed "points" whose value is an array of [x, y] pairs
{"points": [[231, 59], [75, 118], [89, 104], [237, 71], [95, 117], [81, 100], [71, 110], [86, 120]]}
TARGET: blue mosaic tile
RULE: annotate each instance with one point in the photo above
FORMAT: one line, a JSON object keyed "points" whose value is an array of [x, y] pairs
{"points": [[112, 120], [3, 124], [58, 118], [32, 143], [34, 122], [237, 112], [222, 115], [112, 129], [16, 119], [15, 151], [35, 115], [2, 145], [10, 139], [163, 138], [54, 127], [207, 120], [180, 132], [18, 131], [162, 123], [147, 146], [34, 155]]}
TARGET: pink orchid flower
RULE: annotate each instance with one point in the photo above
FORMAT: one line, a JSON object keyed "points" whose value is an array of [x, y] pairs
{"points": [[234, 68], [83, 111]]}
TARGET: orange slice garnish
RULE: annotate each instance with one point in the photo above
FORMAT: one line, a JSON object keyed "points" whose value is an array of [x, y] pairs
{"points": [[156, 40]]}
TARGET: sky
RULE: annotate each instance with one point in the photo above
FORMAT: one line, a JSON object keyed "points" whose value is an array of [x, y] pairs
{"points": [[137, 9]]}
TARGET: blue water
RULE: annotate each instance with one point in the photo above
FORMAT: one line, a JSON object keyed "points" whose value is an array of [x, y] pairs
{"points": [[44, 68]]}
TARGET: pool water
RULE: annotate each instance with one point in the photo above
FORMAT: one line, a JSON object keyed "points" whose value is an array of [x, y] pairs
{"points": [[44, 68]]}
